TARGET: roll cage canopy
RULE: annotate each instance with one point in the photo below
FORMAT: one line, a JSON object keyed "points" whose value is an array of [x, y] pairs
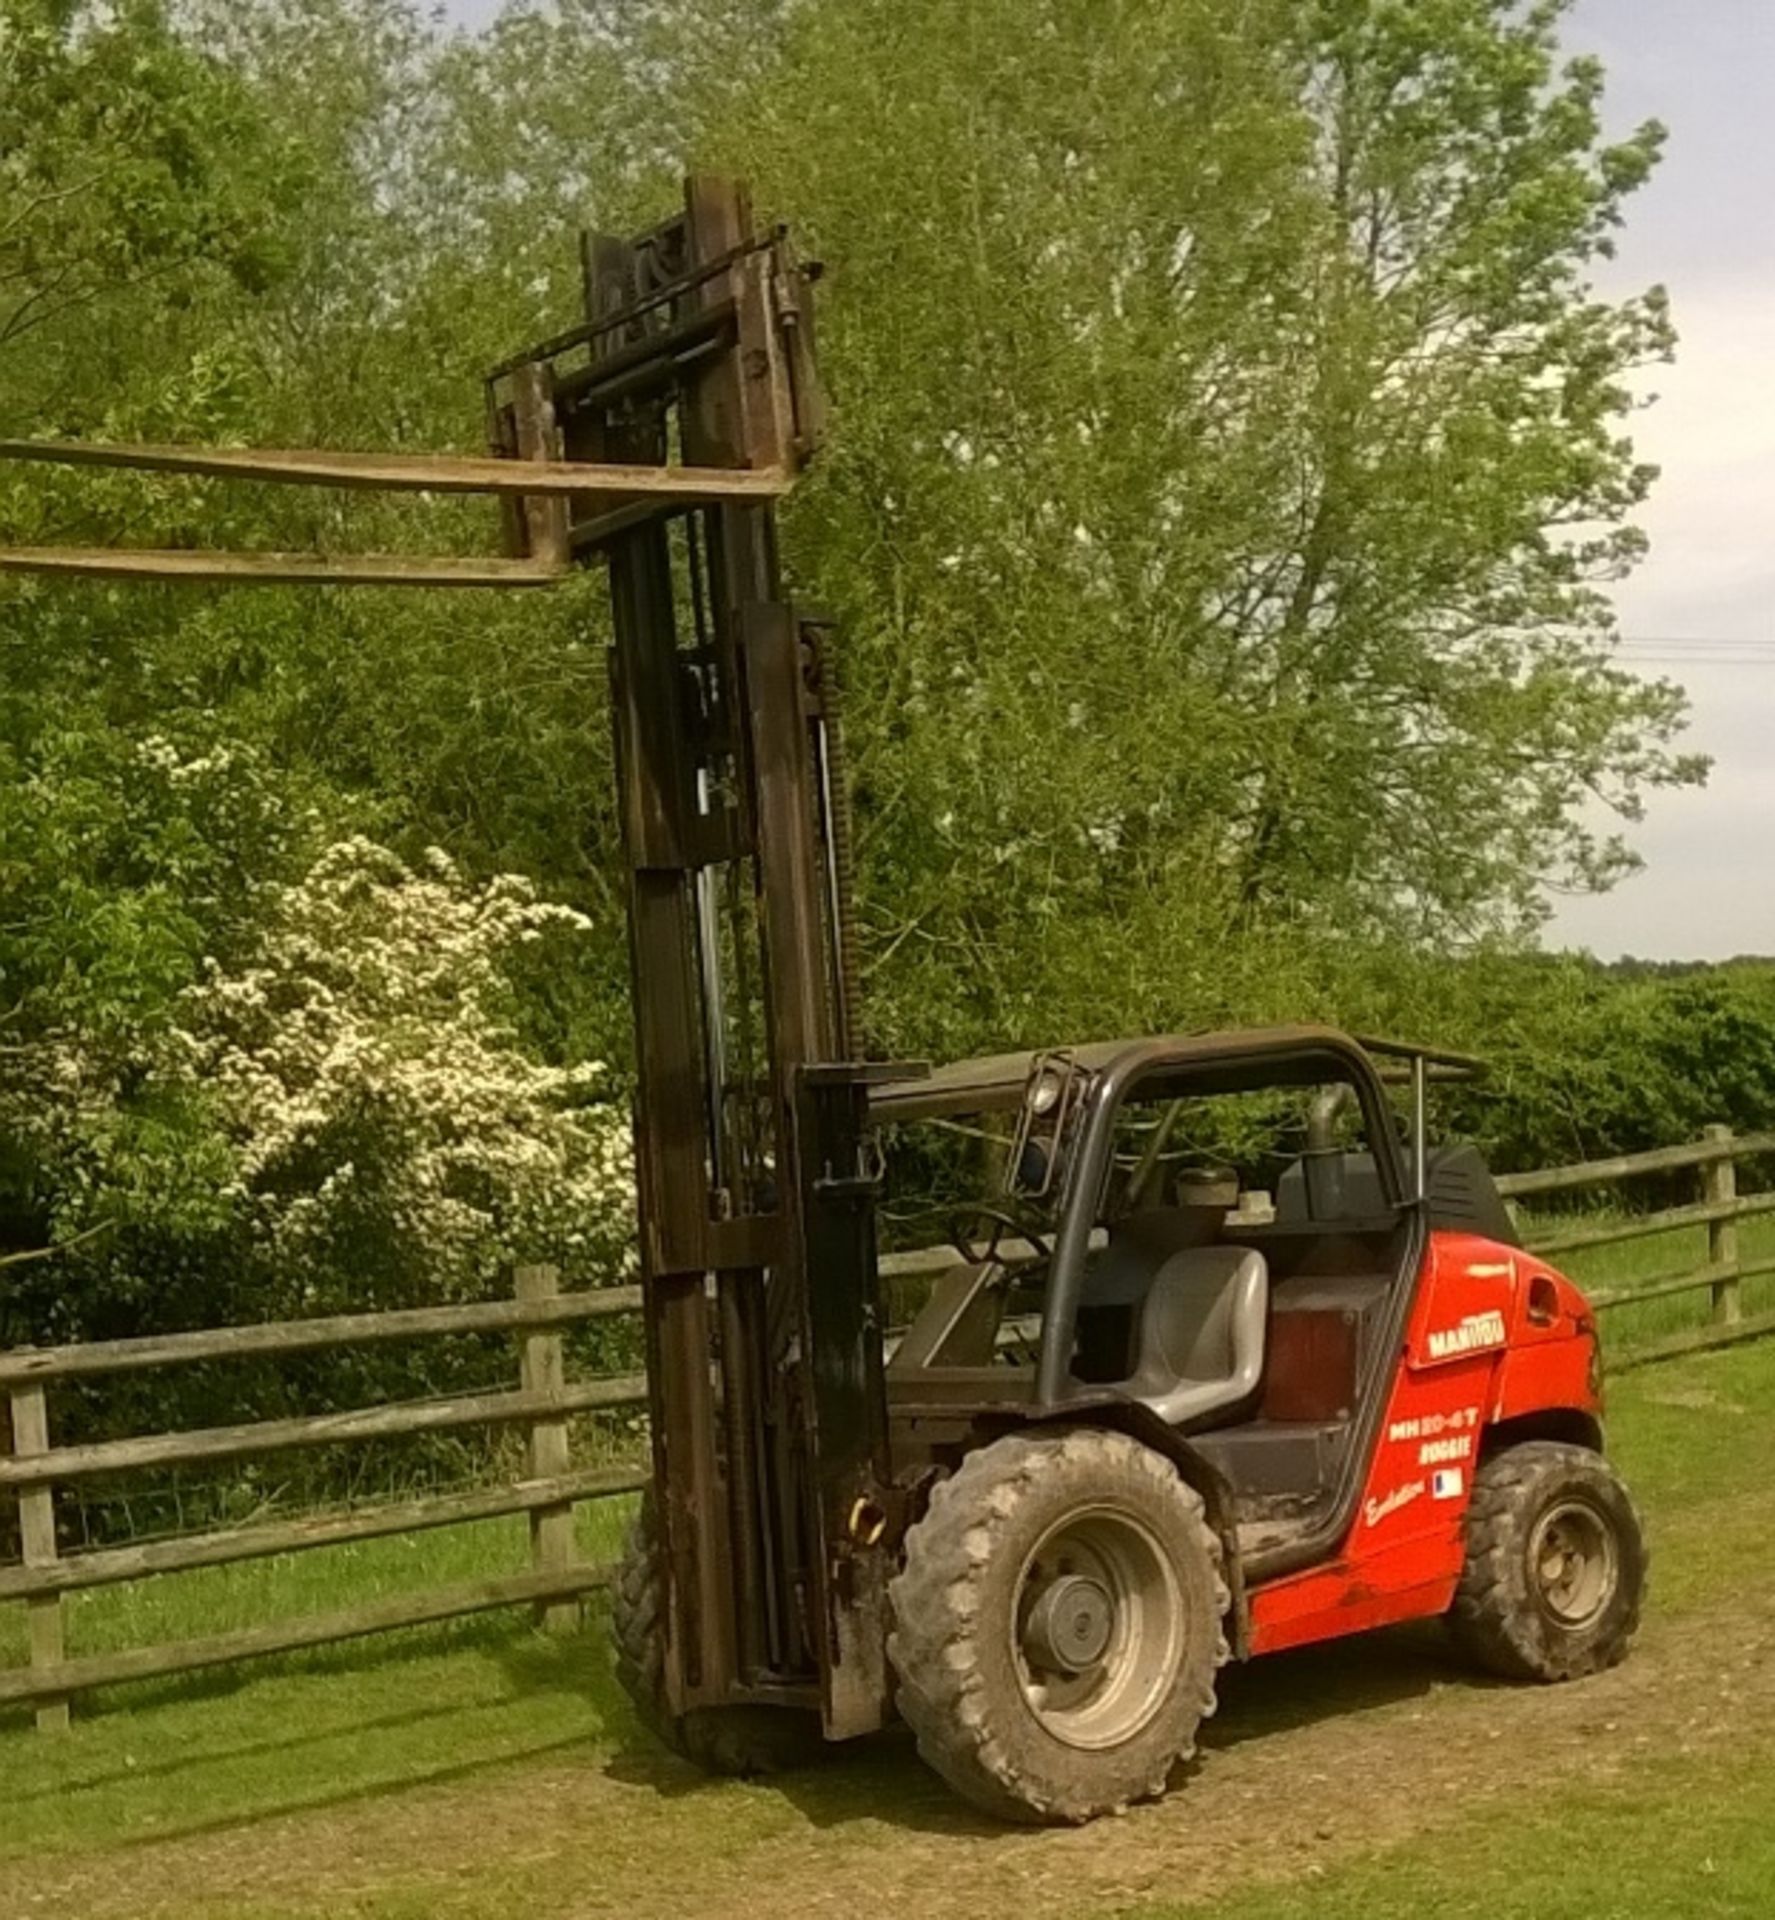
{"points": [[1201, 1063], [1103, 1075]]}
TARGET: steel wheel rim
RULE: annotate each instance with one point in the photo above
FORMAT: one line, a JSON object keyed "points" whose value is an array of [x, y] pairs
{"points": [[1575, 1564], [1100, 1551]]}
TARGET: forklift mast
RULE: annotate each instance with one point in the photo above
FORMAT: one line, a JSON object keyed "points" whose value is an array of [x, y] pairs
{"points": [[768, 1402], [657, 435]]}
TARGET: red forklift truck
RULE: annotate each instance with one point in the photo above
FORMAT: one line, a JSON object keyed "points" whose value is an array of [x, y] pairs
{"points": [[1223, 1429], [1139, 1425]]}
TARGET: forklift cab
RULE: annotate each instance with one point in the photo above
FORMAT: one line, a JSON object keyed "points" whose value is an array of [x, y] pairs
{"points": [[1118, 1221], [1217, 1236]]}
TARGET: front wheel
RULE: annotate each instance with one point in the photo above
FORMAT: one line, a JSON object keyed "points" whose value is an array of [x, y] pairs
{"points": [[739, 1740], [1556, 1565], [1057, 1624]]}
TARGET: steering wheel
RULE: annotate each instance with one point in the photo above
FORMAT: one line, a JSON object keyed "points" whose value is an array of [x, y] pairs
{"points": [[1002, 1223]]}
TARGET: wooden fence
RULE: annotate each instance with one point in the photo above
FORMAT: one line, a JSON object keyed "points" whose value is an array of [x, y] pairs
{"points": [[1719, 1207], [542, 1405], [548, 1490]]}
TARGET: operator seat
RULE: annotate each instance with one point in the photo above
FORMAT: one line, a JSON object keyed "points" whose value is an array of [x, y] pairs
{"points": [[1201, 1340]]}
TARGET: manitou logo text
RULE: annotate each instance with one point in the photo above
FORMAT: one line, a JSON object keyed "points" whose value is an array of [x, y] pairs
{"points": [[1476, 1331]]}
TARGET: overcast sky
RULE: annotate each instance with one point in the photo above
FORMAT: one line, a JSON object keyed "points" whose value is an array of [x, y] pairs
{"points": [[1704, 604], [1706, 597]]}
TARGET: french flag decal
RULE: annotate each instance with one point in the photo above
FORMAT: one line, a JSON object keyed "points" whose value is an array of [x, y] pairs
{"points": [[1447, 1483]]}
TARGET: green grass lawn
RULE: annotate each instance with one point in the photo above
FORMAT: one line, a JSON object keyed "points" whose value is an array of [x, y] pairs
{"points": [[1675, 1842], [307, 1729]]}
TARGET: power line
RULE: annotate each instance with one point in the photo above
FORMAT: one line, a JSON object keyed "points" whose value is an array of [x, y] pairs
{"points": [[1683, 642], [1714, 650]]}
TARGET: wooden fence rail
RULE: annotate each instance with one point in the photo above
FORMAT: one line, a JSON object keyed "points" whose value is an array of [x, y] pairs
{"points": [[1720, 1144], [550, 1487], [308, 1336], [50, 1690], [1719, 1208], [542, 1406]]}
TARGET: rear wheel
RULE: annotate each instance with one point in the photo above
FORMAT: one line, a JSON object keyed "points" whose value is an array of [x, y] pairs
{"points": [[1057, 1625], [1556, 1564], [738, 1740]]}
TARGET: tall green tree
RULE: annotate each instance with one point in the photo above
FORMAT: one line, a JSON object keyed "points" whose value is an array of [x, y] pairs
{"points": [[128, 162], [1428, 630], [1231, 459], [147, 200], [231, 216]]}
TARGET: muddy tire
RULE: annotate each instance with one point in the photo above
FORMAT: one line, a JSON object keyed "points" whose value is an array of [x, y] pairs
{"points": [[1556, 1565], [739, 1741], [1057, 1625]]}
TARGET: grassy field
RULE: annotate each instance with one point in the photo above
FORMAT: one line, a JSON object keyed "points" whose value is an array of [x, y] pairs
{"points": [[485, 1768], [1580, 1854]]}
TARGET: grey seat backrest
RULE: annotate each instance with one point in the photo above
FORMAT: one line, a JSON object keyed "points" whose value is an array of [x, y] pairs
{"points": [[1202, 1333], [1123, 1273]]}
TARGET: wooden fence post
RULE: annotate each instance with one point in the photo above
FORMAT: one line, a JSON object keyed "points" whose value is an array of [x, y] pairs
{"points": [[36, 1514], [543, 1369], [1719, 1186]]}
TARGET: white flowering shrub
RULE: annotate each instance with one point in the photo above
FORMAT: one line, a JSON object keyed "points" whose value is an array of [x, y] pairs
{"points": [[390, 1132]]}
